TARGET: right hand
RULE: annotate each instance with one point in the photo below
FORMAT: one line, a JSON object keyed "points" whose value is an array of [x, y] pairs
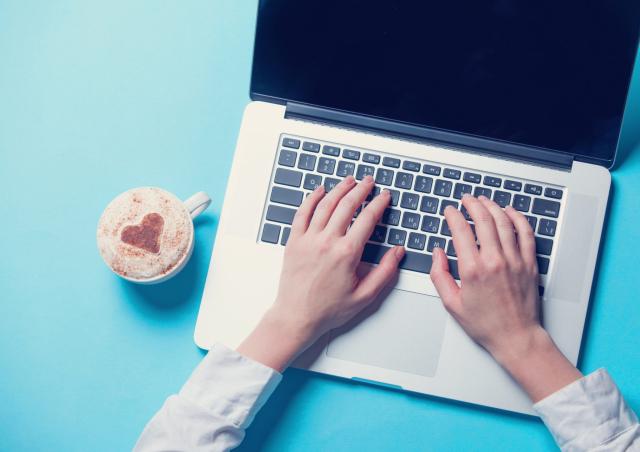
{"points": [[497, 303]]}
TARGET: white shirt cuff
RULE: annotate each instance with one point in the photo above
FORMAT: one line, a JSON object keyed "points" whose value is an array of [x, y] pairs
{"points": [[230, 385], [586, 413]]}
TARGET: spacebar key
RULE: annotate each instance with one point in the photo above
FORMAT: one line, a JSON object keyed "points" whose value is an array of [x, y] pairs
{"points": [[417, 262], [373, 253]]}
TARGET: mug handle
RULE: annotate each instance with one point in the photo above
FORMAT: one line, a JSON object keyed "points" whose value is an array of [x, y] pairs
{"points": [[197, 203]]}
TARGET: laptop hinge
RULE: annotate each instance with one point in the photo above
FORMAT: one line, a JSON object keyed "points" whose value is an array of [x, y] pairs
{"points": [[412, 132]]}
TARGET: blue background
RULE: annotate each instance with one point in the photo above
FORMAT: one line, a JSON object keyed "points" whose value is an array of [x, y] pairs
{"points": [[96, 98]]}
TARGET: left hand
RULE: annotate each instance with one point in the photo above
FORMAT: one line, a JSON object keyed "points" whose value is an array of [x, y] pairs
{"points": [[320, 288]]}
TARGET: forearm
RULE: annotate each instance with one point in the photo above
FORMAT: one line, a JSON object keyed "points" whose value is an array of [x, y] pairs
{"points": [[535, 362]]}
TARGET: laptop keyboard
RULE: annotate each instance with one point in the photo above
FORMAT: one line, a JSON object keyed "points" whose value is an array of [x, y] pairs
{"points": [[420, 191]]}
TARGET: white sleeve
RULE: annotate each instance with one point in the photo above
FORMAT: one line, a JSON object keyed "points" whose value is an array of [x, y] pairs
{"points": [[214, 407], [590, 414]]}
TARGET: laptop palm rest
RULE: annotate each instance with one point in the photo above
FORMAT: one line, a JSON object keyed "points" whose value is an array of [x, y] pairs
{"points": [[401, 332]]}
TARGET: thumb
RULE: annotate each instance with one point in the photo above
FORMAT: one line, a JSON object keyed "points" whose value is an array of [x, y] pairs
{"points": [[373, 283], [445, 284]]}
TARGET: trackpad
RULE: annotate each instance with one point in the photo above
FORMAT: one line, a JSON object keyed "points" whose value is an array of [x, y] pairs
{"points": [[403, 333]]}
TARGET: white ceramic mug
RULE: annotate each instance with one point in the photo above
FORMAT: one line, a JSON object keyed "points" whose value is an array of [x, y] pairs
{"points": [[146, 235]]}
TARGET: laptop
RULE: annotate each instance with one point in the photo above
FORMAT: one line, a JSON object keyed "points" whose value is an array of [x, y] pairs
{"points": [[519, 101]]}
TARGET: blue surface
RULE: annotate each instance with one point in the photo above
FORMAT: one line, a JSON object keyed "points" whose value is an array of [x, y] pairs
{"points": [[96, 98]]}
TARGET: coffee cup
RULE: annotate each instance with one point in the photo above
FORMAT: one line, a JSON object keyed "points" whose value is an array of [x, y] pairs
{"points": [[146, 235]]}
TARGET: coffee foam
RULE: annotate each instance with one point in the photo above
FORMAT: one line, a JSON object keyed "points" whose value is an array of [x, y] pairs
{"points": [[145, 233]]}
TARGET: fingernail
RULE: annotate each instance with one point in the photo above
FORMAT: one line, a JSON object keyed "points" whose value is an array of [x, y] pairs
{"points": [[483, 197], [467, 195], [399, 252], [449, 208], [386, 192], [349, 180], [319, 188], [368, 178]]}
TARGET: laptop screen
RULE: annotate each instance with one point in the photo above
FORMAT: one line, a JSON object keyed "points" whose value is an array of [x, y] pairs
{"points": [[546, 73]]}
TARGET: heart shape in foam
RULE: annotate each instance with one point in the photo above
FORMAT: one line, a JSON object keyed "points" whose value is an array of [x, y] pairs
{"points": [[145, 235]]}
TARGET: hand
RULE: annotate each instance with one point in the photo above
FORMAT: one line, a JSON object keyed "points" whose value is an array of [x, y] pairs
{"points": [[497, 303], [319, 285]]}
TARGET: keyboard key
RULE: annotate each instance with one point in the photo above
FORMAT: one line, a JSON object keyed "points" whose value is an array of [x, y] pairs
{"points": [[286, 196], [288, 177], [326, 165], [391, 217], [411, 220], [291, 143], [396, 237], [364, 170], [513, 185], [451, 173], [331, 150], [345, 169], [546, 207], [431, 170], [423, 184], [547, 227], [481, 191], [553, 193], [460, 190], [330, 183], [371, 158], [492, 181], [443, 188], [472, 177], [287, 158], [544, 246], [404, 180], [502, 198], [417, 262], [311, 147], [533, 189], [436, 242], [430, 224], [373, 193], [280, 214], [270, 233], [351, 154], [379, 234], [464, 212], [543, 265], [533, 221], [411, 166], [445, 203], [384, 176], [417, 241], [307, 162], [445, 229], [312, 181], [392, 162], [409, 201], [373, 253], [453, 269], [540, 291], [395, 197], [451, 251], [285, 236], [521, 203], [429, 204]]}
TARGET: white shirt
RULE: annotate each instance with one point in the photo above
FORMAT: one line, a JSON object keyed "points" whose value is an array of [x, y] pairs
{"points": [[224, 393]]}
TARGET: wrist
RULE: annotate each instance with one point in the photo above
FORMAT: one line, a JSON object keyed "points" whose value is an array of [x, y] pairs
{"points": [[275, 342], [521, 348]]}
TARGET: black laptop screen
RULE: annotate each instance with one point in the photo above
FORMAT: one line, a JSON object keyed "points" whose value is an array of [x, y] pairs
{"points": [[545, 73]]}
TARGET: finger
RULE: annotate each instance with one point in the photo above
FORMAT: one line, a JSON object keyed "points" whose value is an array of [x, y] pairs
{"points": [[363, 226], [328, 204], [305, 212], [463, 239], [506, 232], [343, 214], [485, 226], [526, 239], [371, 285], [445, 284]]}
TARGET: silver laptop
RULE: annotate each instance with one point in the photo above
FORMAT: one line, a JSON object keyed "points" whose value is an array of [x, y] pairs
{"points": [[519, 101]]}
